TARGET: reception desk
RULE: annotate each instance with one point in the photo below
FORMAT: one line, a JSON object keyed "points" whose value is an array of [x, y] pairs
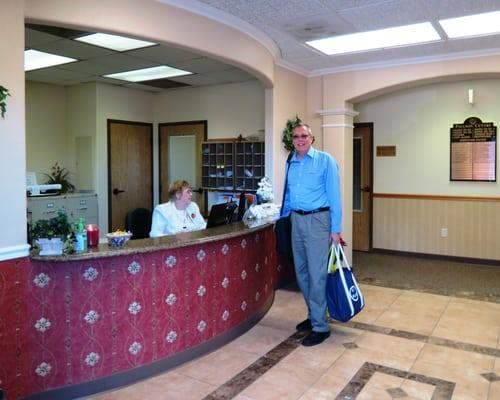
{"points": [[89, 322]]}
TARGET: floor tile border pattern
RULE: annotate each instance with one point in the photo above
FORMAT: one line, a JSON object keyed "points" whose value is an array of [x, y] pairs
{"points": [[490, 298], [488, 351], [249, 375], [443, 389]]}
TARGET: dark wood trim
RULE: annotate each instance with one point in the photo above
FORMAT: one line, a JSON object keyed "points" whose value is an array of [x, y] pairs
{"points": [[117, 121], [468, 260], [433, 197], [369, 125]]}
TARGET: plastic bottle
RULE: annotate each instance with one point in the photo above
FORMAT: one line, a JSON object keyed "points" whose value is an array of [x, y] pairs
{"points": [[81, 236]]}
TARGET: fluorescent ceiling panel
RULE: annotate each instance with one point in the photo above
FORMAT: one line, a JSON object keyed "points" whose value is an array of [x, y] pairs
{"points": [[34, 59], [379, 39], [472, 25], [147, 74], [114, 42]]}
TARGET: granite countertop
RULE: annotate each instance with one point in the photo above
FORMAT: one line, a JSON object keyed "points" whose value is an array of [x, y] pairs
{"points": [[154, 244]]}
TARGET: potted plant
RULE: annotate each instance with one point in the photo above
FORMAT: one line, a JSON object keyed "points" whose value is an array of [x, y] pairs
{"points": [[288, 132], [52, 236], [4, 92], [61, 176]]}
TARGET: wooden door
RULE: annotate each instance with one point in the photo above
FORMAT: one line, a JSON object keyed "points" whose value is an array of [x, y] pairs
{"points": [[183, 139], [362, 187], [130, 169]]}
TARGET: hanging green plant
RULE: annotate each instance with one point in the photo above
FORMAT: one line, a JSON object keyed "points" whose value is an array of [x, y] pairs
{"points": [[4, 92], [288, 132]]}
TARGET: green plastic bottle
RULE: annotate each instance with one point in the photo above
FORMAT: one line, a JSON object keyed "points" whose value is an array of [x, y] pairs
{"points": [[81, 236]]}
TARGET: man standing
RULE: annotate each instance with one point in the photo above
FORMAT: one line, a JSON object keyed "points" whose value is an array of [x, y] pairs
{"points": [[312, 196]]}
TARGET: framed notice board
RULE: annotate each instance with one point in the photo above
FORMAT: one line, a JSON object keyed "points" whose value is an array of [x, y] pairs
{"points": [[473, 151]]}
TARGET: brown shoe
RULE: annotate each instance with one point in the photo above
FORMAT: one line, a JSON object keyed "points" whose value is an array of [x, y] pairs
{"points": [[304, 326], [315, 338]]}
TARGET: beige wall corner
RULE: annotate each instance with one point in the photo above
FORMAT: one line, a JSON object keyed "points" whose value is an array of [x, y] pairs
{"points": [[287, 99], [12, 132]]}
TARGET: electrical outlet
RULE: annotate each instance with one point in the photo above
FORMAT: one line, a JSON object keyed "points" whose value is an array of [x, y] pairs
{"points": [[444, 232]]}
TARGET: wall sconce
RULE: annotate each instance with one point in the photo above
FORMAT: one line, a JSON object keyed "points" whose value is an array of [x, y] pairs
{"points": [[471, 96]]}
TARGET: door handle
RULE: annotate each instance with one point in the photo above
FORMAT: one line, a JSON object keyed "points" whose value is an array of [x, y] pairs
{"points": [[117, 191], [366, 189], [199, 190]]}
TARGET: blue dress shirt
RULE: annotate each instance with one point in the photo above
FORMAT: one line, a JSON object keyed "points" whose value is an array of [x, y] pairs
{"points": [[313, 182]]}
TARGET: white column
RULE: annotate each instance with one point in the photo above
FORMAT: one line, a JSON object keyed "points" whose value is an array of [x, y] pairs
{"points": [[12, 132], [337, 140]]}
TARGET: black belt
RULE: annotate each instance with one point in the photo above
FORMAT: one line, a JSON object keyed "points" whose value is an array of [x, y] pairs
{"points": [[302, 212]]}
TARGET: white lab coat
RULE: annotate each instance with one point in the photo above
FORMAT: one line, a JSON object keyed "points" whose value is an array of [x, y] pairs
{"points": [[167, 220]]}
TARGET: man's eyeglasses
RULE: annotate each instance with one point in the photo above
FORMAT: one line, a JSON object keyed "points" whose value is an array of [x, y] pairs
{"points": [[296, 137]]}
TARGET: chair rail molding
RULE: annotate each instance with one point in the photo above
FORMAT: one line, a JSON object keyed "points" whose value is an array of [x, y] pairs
{"points": [[338, 111], [13, 252]]}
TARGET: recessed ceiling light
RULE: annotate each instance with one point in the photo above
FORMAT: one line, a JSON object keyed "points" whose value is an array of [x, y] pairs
{"points": [[147, 74], [34, 59], [114, 42], [378, 39], [472, 25]]}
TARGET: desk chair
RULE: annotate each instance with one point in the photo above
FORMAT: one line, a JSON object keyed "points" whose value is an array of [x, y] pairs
{"points": [[138, 222]]}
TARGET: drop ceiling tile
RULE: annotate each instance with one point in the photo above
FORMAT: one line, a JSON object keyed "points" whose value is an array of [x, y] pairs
{"points": [[198, 80], [91, 67], [55, 72], [142, 87], [35, 38], [231, 75], [312, 27], [201, 65], [264, 11], [458, 8], [385, 14], [124, 62], [163, 54], [74, 49]]}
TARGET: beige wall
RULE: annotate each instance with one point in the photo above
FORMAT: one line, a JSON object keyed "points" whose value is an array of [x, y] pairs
{"points": [[287, 99], [12, 127], [417, 121], [82, 122], [46, 122], [414, 225], [231, 110]]}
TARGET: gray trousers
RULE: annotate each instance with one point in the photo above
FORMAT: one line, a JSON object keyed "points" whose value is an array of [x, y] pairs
{"points": [[311, 243]]}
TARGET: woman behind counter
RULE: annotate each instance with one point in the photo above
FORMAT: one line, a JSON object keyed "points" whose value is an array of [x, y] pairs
{"points": [[178, 215]]}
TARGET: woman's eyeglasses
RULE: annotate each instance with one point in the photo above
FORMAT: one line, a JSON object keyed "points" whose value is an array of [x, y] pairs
{"points": [[296, 137]]}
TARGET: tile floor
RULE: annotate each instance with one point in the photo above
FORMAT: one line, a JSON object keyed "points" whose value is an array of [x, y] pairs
{"points": [[404, 345]]}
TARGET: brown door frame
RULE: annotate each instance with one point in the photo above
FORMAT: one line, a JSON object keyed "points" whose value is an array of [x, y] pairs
{"points": [[369, 125], [161, 178], [110, 194]]}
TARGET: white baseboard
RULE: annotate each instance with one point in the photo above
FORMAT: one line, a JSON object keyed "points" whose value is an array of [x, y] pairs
{"points": [[13, 252]]}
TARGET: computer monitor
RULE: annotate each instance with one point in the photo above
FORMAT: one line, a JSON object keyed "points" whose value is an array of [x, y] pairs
{"points": [[221, 214]]}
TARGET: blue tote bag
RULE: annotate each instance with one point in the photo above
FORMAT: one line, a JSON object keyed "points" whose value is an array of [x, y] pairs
{"points": [[343, 297]]}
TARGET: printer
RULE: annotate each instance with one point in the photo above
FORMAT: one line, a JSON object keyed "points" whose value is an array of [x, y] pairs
{"points": [[34, 189]]}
